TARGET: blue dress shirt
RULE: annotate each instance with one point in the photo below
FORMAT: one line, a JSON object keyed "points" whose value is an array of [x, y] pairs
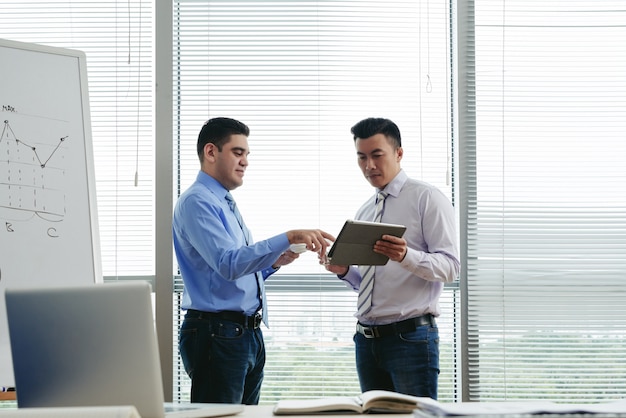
{"points": [[217, 267]]}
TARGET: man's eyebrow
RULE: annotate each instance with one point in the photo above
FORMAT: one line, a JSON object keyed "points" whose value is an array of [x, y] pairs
{"points": [[371, 152], [239, 149]]}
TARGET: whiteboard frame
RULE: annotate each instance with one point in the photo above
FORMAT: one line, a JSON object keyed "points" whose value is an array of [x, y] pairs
{"points": [[96, 263], [89, 169]]}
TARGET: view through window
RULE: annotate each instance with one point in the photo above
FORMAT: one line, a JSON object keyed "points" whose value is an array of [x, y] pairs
{"points": [[300, 74]]}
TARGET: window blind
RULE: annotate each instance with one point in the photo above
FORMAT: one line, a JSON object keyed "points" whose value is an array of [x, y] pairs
{"points": [[116, 37], [544, 175], [300, 74]]}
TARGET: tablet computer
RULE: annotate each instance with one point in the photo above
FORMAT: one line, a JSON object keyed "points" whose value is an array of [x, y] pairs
{"points": [[355, 243]]}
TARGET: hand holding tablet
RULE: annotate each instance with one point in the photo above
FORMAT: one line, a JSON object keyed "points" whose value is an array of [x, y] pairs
{"points": [[355, 243]]}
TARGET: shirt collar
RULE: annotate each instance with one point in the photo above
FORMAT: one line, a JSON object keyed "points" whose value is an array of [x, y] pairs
{"points": [[395, 185], [212, 184]]}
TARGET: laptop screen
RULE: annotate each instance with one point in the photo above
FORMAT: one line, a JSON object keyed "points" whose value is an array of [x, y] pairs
{"points": [[91, 345]]}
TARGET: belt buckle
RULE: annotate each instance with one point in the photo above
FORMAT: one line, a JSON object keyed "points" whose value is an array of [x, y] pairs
{"points": [[368, 332], [257, 321]]}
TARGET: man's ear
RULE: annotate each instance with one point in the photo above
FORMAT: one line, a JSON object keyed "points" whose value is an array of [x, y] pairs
{"points": [[209, 151], [400, 153]]}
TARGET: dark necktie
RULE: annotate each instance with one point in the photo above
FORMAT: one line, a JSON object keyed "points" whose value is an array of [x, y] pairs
{"points": [[247, 237], [367, 282]]}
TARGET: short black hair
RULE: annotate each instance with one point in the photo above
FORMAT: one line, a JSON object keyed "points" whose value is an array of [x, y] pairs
{"points": [[218, 131], [372, 126]]}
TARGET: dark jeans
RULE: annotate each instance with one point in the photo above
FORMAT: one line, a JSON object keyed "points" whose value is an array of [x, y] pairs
{"points": [[406, 363], [223, 359]]}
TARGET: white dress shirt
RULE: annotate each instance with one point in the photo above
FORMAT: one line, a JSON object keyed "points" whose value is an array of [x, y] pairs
{"points": [[412, 287]]}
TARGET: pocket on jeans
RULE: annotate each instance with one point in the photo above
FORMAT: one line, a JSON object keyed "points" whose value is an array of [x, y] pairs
{"points": [[228, 330], [419, 335]]}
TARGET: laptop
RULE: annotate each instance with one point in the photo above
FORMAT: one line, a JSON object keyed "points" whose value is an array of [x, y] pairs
{"points": [[91, 345]]}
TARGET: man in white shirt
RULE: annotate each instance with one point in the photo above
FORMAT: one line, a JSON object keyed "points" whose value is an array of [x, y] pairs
{"points": [[397, 339]]}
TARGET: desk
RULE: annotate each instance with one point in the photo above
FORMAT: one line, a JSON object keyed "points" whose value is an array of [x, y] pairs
{"points": [[265, 411]]}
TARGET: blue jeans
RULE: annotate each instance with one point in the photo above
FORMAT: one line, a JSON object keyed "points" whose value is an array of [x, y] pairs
{"points": [[405, 363], [223, 359]]}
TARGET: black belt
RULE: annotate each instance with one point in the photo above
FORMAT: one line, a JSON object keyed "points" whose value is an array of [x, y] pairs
{"points": [[396, 328], [252, 321]]}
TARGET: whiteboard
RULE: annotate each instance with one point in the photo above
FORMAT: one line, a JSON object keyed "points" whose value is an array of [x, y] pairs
{"points": [[48, 223]]}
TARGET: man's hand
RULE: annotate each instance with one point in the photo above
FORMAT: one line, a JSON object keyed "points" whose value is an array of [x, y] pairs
{"points": [[338, 270], [391, 246], [285, 258], [315, 239]]}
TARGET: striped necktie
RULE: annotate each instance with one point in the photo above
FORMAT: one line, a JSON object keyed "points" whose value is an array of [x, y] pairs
{"points": [[367, 282], [248, 238]]}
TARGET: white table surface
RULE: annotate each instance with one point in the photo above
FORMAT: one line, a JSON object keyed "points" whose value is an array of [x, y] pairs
{"points": [[265, 411]]}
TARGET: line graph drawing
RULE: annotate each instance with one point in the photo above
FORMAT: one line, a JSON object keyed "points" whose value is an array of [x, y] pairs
{"points": [[32, 176], [7, 129]]}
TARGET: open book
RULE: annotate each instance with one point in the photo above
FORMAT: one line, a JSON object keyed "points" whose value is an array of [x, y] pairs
{"points": [[370, 401], [391, 402]]}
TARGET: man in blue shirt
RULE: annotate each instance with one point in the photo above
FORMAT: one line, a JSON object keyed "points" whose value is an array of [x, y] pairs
{"points": [[223, 270], [397, 340]]}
